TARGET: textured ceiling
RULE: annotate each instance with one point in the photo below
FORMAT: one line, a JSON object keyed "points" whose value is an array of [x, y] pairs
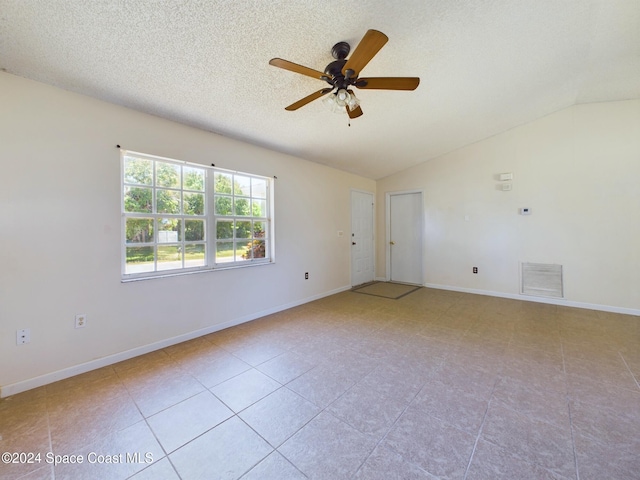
{"points": [[485, 66]]}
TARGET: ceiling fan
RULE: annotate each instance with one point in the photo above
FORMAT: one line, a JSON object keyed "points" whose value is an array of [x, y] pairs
{"points": [[343, 74]]}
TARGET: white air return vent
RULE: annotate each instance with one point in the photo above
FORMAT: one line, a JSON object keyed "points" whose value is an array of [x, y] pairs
{"points": [[542, 280]]}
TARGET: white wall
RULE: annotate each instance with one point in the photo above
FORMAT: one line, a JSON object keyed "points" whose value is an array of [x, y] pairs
{"points": [[60, 236], [578, 170]]}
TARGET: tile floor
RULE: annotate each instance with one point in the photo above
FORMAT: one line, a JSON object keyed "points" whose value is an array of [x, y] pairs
{"points": [[434, 385]]}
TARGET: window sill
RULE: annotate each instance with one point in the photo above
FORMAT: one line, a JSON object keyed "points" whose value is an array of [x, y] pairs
{"points": [[180, 273]]}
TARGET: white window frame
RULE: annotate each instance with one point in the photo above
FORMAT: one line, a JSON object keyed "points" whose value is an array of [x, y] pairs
{"points": [[211, 218]]}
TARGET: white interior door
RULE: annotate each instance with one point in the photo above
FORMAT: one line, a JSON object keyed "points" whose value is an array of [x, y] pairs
{"points": [[362, 270], [405, 237]]}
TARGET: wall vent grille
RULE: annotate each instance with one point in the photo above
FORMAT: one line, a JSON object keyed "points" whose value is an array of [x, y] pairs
{"points": [[541, 280]]}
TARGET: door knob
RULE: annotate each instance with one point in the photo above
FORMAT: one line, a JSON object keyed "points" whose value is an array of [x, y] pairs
{"points": [[392, 243], [353, 243]]}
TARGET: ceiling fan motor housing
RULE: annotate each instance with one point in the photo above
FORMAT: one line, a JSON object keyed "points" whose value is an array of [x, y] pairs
{"points": [[339, 51], [334, 70]]}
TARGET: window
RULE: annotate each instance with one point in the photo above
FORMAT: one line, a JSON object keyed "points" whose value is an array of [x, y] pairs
{"points": [[241, 217], [185, 217]]}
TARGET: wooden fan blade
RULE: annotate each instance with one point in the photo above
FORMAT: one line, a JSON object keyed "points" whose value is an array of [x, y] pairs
{"points": [[309, 98], [355, 113], [294, 67], [370, 44], [389, 83]]}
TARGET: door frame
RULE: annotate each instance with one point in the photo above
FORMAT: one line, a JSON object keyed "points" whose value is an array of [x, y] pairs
{"points": [[373, 230], [388, 196]]}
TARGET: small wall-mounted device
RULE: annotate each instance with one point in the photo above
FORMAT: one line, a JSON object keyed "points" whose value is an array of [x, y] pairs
{"points": [[506, 176], [525, 211], [506, 187]]}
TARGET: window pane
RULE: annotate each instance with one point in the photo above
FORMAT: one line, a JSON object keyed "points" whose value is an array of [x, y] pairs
{"points": [[242, 185], [167, 201], [259, 208], [258, 188], [139, 259], [258, 229], [169, 257], [259, 249], [223, 205], [242, 207], [224, 252], [193, 178], [223, 183], [169, 230], [243, 229], [194, 230], [194, 255], [138, 199], [167, 175], [224, 229], [243, 251], [193, 203], [139, 230], [137, 170]]}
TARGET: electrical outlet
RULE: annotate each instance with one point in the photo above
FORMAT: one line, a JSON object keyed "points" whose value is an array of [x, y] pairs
{"points": [[475, 269], [81, 320], [306, 275], [23, 336]]}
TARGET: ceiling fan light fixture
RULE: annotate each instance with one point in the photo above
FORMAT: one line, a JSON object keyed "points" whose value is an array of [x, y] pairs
{"points": [[339, 101], [353, 101], [330, 101], [342, 97]]}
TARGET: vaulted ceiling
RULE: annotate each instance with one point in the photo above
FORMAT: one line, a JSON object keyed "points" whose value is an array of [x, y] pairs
{"points": [[485, 66]]}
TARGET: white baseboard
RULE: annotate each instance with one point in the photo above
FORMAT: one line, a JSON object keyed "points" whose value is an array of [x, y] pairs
{"points": [[529, 298], [22, 386]]}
